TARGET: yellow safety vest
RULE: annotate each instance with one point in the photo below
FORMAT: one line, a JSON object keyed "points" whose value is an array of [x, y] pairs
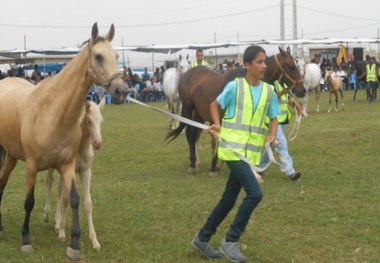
{"points": [[371, 73], [246, 131], [286, 114], [195, 63]]}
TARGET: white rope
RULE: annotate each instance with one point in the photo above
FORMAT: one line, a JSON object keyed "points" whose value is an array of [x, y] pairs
{"points": [[294, 132], [202, 126]]}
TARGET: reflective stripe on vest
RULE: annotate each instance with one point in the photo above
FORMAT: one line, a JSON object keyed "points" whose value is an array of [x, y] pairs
{"points": [[246, 131], [371, 73], [195, 63], [283, 101]]}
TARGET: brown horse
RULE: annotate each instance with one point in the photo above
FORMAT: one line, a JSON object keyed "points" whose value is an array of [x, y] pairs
{"points": [[40, 124], [200, 86]]}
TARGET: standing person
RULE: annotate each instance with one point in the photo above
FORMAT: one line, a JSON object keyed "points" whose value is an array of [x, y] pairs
{"points": [[246, 102], [199, 61], [282, 144], [372, 81]]}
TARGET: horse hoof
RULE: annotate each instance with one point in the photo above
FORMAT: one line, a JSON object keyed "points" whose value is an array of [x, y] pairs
{"points": [[27, 248], [193, 170], [46, 218], [213, 174], [96, 246], [73, 254], [62, 235]]}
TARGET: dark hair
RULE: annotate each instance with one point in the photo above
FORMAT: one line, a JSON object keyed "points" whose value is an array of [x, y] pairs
{"points": [[251, 53], [199, 51]]}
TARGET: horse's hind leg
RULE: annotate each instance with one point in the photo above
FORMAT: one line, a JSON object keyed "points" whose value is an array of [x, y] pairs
{"points": [[213, 172], [336, 100], [191, 135], [86, 180], [67, 171], [49, 183], [341, 96], [7, 166]]}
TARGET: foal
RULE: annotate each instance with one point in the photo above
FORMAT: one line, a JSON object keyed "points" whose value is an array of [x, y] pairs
{"points": [[335, 86], [91, 138]]}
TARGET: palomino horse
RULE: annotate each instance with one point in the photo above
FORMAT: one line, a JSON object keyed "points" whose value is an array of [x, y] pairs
{"points": [[200, 86], [312, 76], [335, 86], [91, 138], [40, 124], [170, 87]]}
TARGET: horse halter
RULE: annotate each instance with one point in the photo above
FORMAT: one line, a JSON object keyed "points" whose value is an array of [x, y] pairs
{"points": [[106, 82], [284, 74]]}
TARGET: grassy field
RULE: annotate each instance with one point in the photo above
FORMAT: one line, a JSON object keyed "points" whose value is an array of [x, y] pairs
{"points": [[147, 208]]}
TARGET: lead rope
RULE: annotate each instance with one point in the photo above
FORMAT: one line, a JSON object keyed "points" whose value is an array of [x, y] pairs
{"points": [[202, 126]]}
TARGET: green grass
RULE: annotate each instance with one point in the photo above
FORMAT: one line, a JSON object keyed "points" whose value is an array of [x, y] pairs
{"points": [[147, 208]]}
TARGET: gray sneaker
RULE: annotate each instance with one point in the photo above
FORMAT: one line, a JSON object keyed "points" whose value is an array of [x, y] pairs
{"points": [[205, 248], [232, 251]]}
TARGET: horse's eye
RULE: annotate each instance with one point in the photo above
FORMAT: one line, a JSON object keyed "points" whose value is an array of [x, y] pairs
{"points": [[99, 58]]}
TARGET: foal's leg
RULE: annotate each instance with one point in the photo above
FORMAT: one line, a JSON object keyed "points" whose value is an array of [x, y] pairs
{"points": [[330, 94], [67, 171], [6, 169], [336, 100], [86, 180], [49, 183], [341, 96]]}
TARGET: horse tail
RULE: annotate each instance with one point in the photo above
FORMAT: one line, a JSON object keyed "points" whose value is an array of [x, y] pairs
{"points": [[174, 133]]}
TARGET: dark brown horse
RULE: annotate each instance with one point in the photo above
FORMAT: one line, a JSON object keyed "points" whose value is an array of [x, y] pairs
{"points": [[199, 86]]}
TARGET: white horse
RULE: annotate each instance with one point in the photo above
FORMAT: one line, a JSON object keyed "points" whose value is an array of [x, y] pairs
{"points": [[312, 76], [91, 139], [170, 87]]}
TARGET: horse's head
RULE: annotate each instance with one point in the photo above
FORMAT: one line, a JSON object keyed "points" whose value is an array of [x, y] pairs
{"points": [[328, 74], [183, 64], [289, 72], [92, 122], [103, 64]]}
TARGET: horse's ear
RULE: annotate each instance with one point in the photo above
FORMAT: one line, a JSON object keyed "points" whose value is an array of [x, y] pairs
{"points": [[288, 49], [95, 31], [102, 103], [180, 57], [111, 33], [281, 51], [187, 57]]}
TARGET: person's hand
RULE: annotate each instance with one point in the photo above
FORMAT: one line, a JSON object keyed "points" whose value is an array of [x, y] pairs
{"points": [[272, 139], [214, 129]]}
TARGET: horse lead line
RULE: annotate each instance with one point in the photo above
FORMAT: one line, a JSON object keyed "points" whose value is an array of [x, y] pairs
{"points": [[202, 126]]}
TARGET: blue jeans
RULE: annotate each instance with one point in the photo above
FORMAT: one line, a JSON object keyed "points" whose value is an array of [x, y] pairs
{"points": [[283, 152], [240, 176]]}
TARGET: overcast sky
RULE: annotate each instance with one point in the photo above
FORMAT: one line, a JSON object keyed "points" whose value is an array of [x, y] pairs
{"points": [[55, 24]]}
